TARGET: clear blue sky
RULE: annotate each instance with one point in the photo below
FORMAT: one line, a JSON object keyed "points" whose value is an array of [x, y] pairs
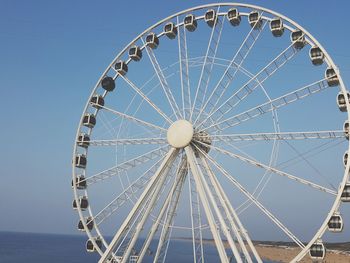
{"points": [[52, 53]]}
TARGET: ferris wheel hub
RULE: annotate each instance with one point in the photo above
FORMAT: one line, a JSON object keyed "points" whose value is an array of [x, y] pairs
{"points": [[180, 134]]}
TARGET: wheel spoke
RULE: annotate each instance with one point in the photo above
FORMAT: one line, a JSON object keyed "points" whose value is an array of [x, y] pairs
{"points": [[167, 162], [280, 136], [266, 72], [231, 215], [138, 91], [279, 102], [184, 73], [126, 195], [209, 59], [125, 166], [134, 119], [211, 220], [137, 141], [163, 82], [274, 170], [170, 213], [232, 69], [253, 199]]}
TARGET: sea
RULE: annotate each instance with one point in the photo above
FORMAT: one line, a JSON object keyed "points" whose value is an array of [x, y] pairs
{"points": [[50, 248]]}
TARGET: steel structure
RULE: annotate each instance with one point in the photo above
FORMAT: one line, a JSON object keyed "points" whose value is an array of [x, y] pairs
{"points": [[162, 138]]}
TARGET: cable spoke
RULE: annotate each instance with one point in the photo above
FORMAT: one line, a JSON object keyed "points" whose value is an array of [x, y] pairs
{"points": [[271, 105], [209, 59], [126, 165], [138, 91], [137, 141], [167, 162], [163, 82], [232, 69], [266, 72], [134, 119], [279, 136], [253, 199], [274, 170]]}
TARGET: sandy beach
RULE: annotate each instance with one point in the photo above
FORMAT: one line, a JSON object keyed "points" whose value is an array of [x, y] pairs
{"points": [[286, 254]]}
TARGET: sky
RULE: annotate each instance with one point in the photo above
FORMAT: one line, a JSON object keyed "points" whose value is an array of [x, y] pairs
{"points": [[51, 55]]}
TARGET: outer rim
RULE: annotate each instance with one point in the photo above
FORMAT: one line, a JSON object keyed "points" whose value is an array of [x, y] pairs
{"points": [[314, 41]]}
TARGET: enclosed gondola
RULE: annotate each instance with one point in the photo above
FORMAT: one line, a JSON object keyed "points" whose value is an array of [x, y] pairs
{"points": [[80, 161], [121, 67], [80, 182], [135, 53], [83, 140], [345, 158], [255, 20], [90, 245], [152, 40], [335, 223], [97, 101], [190, 22], [276, 27], [298, 39], [317, 250], [210, 17], [108, 83], [82, 202], [170, 30], [332, 77], [89, 120], [316, 56], [346, 129], [234, 17], [345, 196], [342, 102], [89, 224]]}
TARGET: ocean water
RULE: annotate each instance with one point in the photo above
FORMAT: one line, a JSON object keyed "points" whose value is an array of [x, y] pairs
{"points": [[48, 248]]}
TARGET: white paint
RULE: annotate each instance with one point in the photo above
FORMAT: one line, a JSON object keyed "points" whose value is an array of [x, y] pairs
{"points": [[180, 134]]}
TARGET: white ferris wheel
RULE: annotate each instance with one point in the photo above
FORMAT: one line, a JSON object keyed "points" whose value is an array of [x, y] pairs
{"points": [[219, 122]]}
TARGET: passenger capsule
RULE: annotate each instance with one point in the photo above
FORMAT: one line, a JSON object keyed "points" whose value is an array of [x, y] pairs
{"points": [[316, 56], [317, 250], [341, 101], [234, 17], [89, 224], [346, 129], [210, 17], [89, 120], [276, 27], [345, 196], [170, 30], [121, 67], [152, 40], [97, 101], [135, 53], [332, 78], [298, 39], [83, 203], [108, 83], [80, 161], [345, 158], [335, 223], [190, 23], [83, 140], [90, 246], [80, 182], [255, 20]]}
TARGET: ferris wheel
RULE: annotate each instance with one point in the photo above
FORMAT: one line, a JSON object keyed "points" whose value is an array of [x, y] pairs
{"points": [[222, 122]]}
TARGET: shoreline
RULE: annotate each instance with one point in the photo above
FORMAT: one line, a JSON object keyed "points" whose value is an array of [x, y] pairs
{"points": [[285, 251]]}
